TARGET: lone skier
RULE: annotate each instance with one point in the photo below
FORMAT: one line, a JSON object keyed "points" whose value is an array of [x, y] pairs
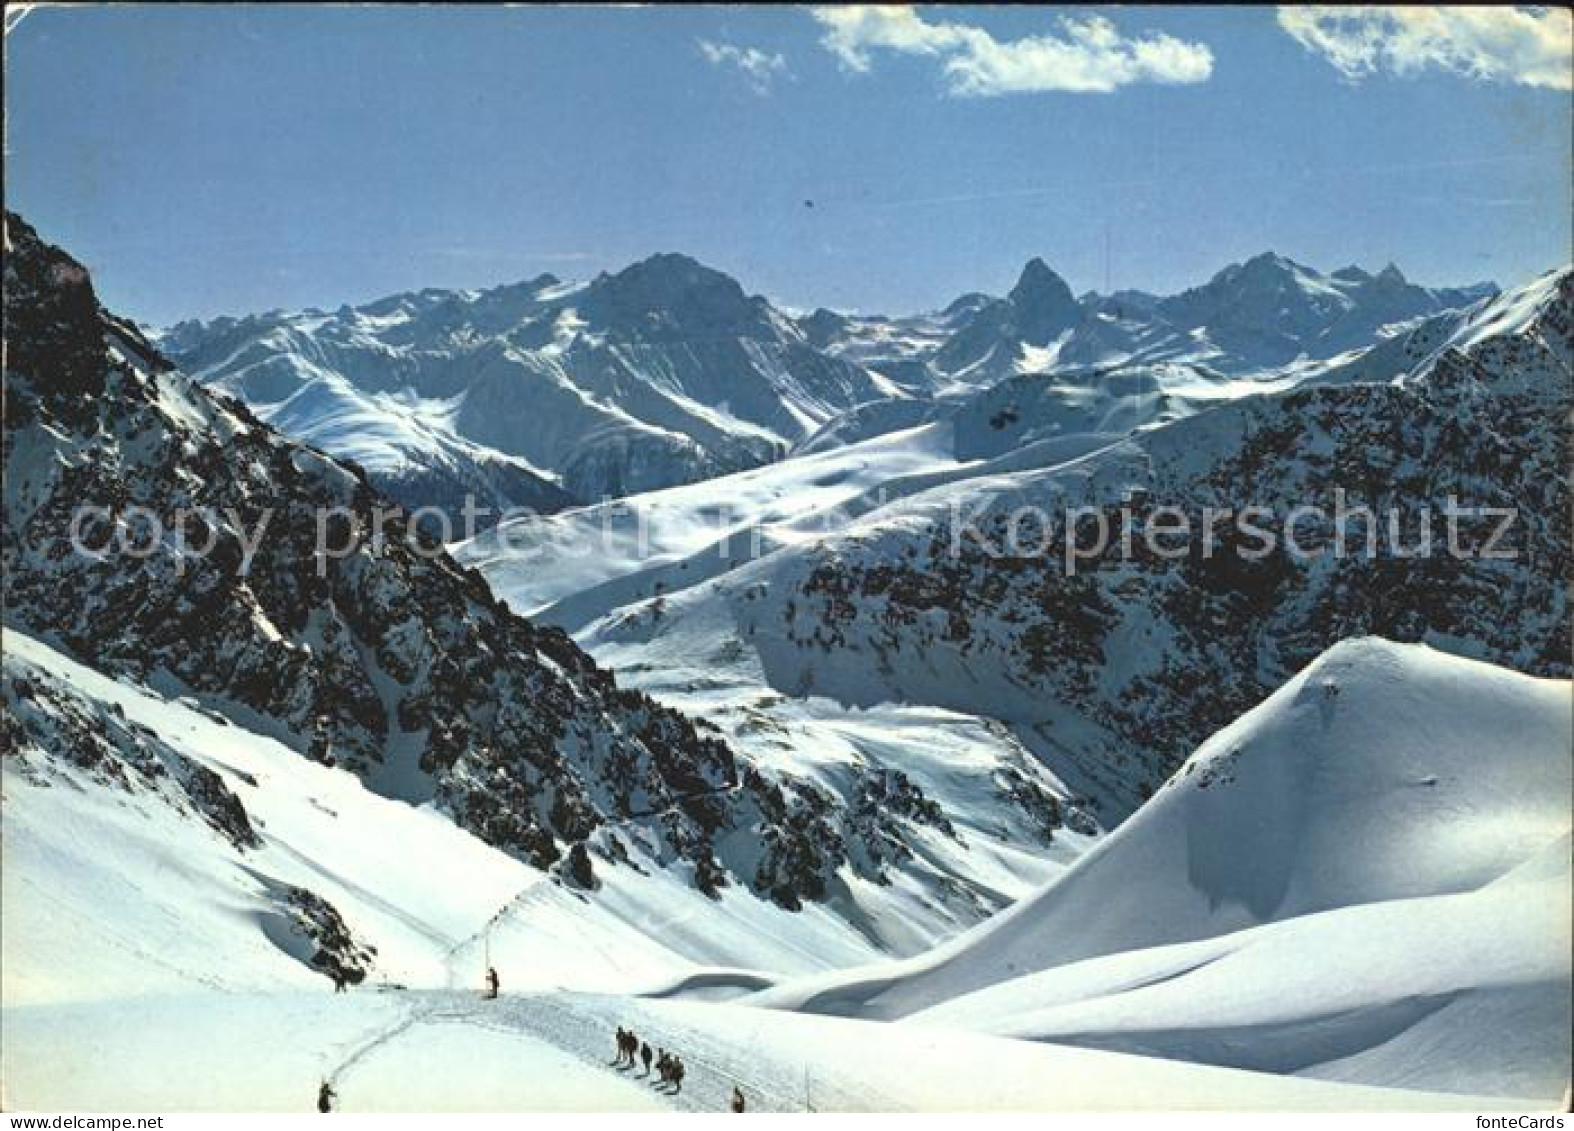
{"points": [[492, 982], [325, 1097], [737, 1099]]}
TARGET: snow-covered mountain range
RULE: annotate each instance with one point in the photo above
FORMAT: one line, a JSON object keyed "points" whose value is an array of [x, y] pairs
{"points": [[1249, 319], [779, 756], [873, 572], [543, 393], [666, 372]]}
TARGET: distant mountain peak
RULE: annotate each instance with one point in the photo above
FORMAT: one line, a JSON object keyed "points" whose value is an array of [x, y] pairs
{"points": [[1271, 264], [1392, 276], [1043, 303], [673, 286], [671, 264], [1036, 276], [969, 303]]}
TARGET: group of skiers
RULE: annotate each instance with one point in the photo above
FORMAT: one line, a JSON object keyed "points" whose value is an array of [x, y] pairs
{"points": [[632, 1050], [669, 1066]]}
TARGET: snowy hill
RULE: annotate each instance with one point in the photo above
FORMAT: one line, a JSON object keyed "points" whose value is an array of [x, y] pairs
{"points": [[1364, 878], [190, 944], [409, 449], [663, 373], [134, 817]]}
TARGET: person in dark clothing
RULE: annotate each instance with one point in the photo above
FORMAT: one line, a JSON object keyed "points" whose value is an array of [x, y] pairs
{"points": [[663, 1061], [675, 1071], [645, 1055], [737, 1099], [325, 1097], [622, 1045], [492, 982]]}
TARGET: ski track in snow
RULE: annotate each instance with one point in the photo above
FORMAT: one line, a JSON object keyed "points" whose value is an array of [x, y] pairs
{"points": [[585, 1026]]}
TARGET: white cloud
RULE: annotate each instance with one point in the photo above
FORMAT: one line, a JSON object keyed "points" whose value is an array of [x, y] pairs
{"points": [[759, 69], [1089, 55], [1530, 46]]}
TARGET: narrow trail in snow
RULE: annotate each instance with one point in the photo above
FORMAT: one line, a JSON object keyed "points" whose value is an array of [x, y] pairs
{"points": [[518, 899], [584, 1026], [451, 955], [413, 1015]]}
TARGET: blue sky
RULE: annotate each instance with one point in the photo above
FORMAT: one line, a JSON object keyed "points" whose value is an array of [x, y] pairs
{"points": [[229, 159]]}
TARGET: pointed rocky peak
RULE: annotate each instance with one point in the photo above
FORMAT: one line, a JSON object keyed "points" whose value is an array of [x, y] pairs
{"points": [[1391, 276], [1044, 304], [1036, 280]]}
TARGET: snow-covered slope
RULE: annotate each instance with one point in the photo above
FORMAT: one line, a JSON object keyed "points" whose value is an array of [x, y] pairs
{"points": [[546, 1052], [374, 652], [410, 450], [1490, 330], [156, 939], [536, 561], [1463, 991], [156, 879], [1366, 876]]}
